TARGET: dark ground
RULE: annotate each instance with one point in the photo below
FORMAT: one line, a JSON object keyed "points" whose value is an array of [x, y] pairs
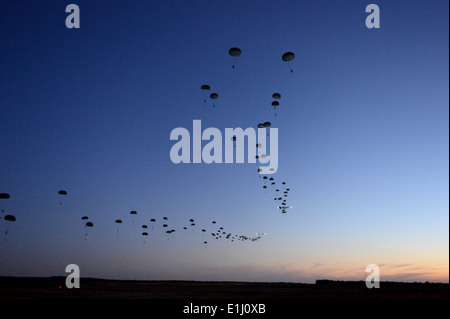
{"points": [[54, 287]]}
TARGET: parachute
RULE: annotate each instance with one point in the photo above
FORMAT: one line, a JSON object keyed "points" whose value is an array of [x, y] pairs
{"points": [[205, 88], [235, 52], [267, 124], [144, 234], [10, 218], [62, 192], [118, 221], [276, 96], [214, 96], [4, 196], [288, 57], [88, 224], [275, 104], [132, 213]]}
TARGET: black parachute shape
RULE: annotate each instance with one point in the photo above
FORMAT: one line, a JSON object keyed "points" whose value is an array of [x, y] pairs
{"points": [[288, 57], [9, 218], [275, 104], [118, 222], [152, 221], [90, 225], [4, 196], [214, 96], [276, 96], [63, 193], [235, 52], [132, 213], [144, 236], [205, 88]]}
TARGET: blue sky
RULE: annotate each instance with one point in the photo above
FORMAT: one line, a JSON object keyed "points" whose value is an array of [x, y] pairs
{"points": [[363, 139]]}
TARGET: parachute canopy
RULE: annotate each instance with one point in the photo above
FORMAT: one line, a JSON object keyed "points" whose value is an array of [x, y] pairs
{"points": [[89, 224], [275, 103], [205, 87], [118, 221], [133, 212], [276, 96], [267, 124], [288, 56], [10, 218], [235, 52], [4, 196], [214, 96], [62, 192]]}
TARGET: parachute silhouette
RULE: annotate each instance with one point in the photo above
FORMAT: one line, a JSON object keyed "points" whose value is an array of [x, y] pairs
{"points": [[205, 88], [4, 196], [90, 225], [288, 57], [235, 52], [118, 221], [9, 218], [132, 213], [62, 192]]}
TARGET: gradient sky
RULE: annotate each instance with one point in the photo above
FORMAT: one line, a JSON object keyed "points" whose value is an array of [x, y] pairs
{"points": [[363, 139]]}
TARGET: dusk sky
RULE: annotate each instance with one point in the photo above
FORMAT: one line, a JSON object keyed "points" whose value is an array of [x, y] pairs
{"points": [[363, 139]]}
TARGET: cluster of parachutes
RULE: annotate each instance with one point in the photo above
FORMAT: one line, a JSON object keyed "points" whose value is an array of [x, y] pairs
{"points": [[151, 229], [235, 53], [8, 218], [280, 193]]}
